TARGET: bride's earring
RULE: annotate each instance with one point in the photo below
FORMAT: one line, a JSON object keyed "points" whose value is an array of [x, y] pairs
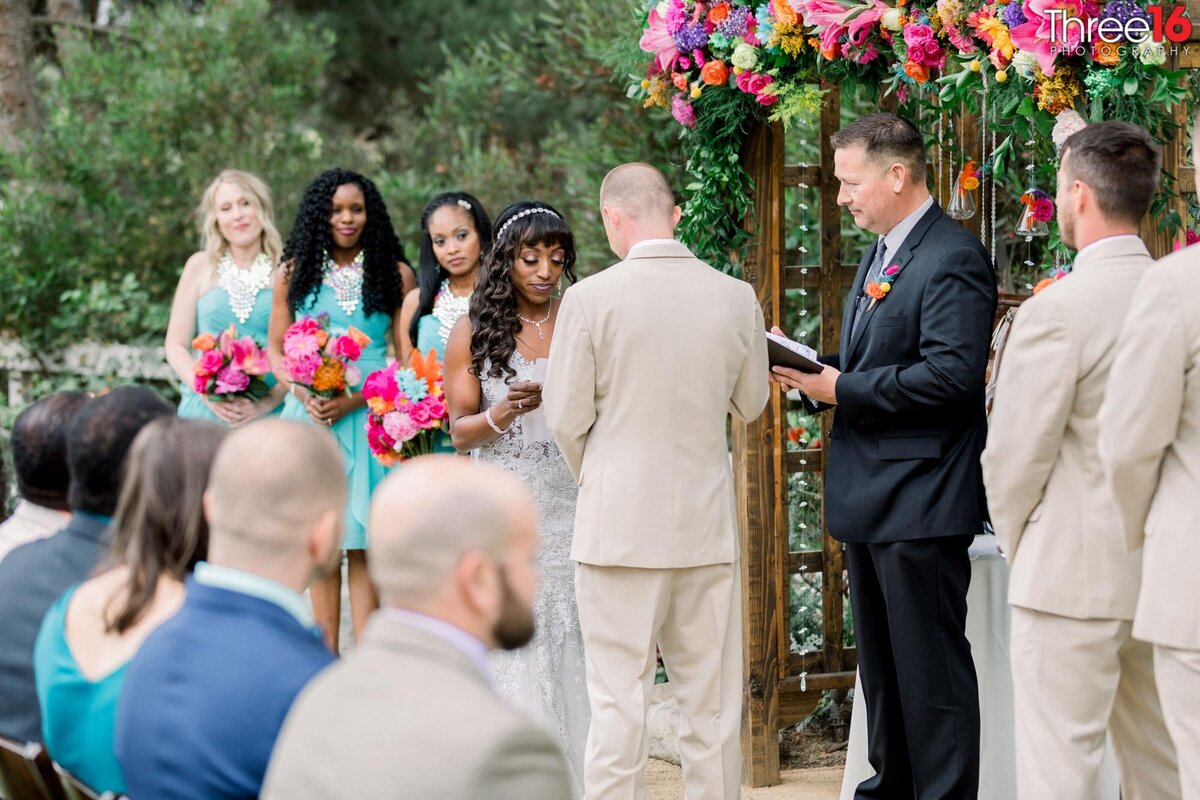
{"points": [[560, 284]]}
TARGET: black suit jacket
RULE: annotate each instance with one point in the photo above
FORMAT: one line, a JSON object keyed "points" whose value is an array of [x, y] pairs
{"points": [[910, 426], [32, 577]]}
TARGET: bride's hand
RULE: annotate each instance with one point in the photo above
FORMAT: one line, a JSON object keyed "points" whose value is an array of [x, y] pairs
{"points": [[524, 396]]}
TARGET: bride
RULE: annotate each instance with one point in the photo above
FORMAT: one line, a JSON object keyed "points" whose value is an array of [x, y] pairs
{"points": [[491, 382]]}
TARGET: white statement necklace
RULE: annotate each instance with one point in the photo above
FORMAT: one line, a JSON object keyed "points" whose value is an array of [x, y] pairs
{"points": [[448, 308], [346, 281], [539, 323], [243, 285]]}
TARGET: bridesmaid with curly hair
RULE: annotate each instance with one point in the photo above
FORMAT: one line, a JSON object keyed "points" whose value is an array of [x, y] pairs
{"points": [[343, 259], [491, 385]]}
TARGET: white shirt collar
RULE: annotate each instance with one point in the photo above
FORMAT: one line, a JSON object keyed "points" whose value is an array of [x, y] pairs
{"points": [[893, 239], [648, 243], [1105, 240]]}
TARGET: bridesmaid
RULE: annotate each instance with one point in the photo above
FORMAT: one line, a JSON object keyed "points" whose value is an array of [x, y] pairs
{"points": [[456, 234], [342, 258], [228, 282]]}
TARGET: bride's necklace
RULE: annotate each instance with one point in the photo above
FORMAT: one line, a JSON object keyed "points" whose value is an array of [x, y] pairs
{"points": [[539, 323], [448, 308], [346, 281], [243, 285]]}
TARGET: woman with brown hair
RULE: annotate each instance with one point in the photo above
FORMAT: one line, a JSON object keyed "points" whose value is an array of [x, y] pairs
{"points": [[95, 628]]}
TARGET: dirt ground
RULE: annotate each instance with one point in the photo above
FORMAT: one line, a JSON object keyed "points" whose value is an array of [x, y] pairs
{"points": [[665, 782]]}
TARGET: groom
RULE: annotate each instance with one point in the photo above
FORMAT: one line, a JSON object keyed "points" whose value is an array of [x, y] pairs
{"points": [[903, 483], [649, 358]]}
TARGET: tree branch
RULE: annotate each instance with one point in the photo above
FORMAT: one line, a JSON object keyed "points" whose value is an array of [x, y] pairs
{"points": [[83, 26]]}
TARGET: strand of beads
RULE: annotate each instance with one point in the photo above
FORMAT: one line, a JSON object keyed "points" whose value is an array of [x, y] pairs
{"points": [[243, 285], [346, 282]]}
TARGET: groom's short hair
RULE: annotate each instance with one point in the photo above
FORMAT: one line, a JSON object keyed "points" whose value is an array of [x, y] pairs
{"points": [[886, 137], [1121, 162], [638, 189]]}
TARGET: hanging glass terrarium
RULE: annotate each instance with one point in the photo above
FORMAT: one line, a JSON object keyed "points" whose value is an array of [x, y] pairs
{"points": [[962, 193], [1037, 209]]}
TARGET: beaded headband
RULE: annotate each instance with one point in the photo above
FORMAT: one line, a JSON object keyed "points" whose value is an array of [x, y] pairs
{"points": [[463, 204], [525, 213]]}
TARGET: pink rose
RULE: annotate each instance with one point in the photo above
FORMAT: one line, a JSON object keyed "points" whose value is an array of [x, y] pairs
{"points": [[1043, 210], [437, 409], [917, 34], [304, 368], [346, 347], [381, 384], [200, 384], [378, 439], [767, 99], [353, 375], [230, 379], [759, 82], [209, 363], [419, 413], [743, 81]]}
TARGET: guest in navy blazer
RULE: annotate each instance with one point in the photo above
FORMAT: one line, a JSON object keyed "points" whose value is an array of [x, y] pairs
{"points": [[34, 575], [206, 695]]}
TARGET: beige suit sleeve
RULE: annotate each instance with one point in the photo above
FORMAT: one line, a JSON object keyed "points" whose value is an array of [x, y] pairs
{"points": [[753, 387], [1034, 396], [1143, 400], [570, 391], [526, 765]]}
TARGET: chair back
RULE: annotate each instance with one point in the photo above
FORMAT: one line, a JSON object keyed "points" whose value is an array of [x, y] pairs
{"points": [[26, 772], [75, 789]]}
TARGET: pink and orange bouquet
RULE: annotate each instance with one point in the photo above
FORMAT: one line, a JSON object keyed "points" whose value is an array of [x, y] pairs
{"points": [[407, 409], [229, 367], [1038, 205], [320, 361]]}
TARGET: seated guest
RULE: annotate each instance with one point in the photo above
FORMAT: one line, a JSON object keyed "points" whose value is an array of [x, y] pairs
{"points": [[412, 712], [39, 453], [206, 694], [36, 574], [159, 534]]}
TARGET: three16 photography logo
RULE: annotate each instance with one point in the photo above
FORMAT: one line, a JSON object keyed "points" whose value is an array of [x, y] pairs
{"points": [[1073, 35]]}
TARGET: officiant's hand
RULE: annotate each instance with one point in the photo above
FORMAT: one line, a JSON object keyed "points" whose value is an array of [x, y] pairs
{"points": [[524, 396], [820, 386]]}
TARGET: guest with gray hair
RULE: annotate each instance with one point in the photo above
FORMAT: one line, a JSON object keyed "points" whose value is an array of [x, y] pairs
{"points": [[454, 547]]}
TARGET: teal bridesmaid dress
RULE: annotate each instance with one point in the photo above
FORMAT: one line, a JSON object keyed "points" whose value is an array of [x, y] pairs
{"points": [[431, 337], [363, 472], [213, 315]]}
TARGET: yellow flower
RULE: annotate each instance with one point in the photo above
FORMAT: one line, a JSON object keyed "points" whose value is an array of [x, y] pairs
{"points": [[995, 31], [695, 91]]}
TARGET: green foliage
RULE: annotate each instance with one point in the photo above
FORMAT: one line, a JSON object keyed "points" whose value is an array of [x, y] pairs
{"points": [[96, 212]]}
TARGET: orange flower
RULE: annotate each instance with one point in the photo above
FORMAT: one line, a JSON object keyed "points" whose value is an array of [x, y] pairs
{"points": [[205, 342], [360, 338], [378, 406], [330, 375], [784, 13], [1042, 284], [322, 337], [680, 81], [714, 73], [918, 72], [387, 459], [1106, 54], [718, 13], [875, 290], [426, 367]]}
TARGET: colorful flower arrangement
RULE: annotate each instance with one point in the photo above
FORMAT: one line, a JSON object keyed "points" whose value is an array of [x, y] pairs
{"points": [[230, 367], [407, 409], [320, 361], [877, 290], [1038, 205], [722, 67]]}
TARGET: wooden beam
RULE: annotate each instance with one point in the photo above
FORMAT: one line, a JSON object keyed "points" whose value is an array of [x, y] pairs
{"points": [[804, 562], [804, 460], [759, 480], [795, 175], [809, 276]]}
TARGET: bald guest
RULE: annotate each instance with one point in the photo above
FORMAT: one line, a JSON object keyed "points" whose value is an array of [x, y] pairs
{"points": [[411, 713], [649, 358], [205, 697]]}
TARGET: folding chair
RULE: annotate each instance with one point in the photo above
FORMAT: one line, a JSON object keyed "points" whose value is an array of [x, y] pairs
{"points": [[75, 789], [26, 772]]}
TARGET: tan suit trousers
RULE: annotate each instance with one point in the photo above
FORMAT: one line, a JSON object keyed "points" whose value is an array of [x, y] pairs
{"points": [[1178, 674], [1074, 681], [694, 616]]}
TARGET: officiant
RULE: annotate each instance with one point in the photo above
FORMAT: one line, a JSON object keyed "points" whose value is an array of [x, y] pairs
{"points": [[903, 485]]}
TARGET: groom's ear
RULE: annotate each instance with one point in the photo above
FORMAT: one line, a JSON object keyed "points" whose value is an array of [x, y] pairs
{"points": [[676, 215]]}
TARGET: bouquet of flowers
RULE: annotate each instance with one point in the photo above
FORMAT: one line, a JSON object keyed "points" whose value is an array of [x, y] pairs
{"points": [[230, 367], [320, 361], [407, 409]]}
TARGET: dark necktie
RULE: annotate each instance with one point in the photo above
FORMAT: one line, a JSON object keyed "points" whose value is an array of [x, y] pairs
{"points": [[860, 305]]}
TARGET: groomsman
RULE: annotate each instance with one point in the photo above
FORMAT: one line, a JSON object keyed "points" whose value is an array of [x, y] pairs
{"points": [[1078, 673], [1150, 450], [903, 487]]}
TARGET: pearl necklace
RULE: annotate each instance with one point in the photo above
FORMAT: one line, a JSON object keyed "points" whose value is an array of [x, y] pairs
{"points": [[243, 285], [346, 281], [539, 323], [448, 308]]}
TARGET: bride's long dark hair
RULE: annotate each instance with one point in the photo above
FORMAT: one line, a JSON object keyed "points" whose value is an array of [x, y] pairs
{"points": [[493, 312]]}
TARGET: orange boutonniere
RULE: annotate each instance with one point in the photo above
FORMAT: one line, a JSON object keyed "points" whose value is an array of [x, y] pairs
{"points": [[878, 289]]}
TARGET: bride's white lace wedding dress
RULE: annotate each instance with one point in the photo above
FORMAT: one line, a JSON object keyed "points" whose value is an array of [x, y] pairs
{"points": [[546, 678]]}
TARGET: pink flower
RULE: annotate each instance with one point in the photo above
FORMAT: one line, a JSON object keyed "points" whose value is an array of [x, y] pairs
{"points": [[378, 440], [303, 368], [353, 375], [437, 409], [346, 347], [868, 55], [381, 384], [917, 34], [208, 364], [1043, 210], [892, 270], [231, 379], [399, 426], [860, 28], [683, 112], [758, 82], [419, 413], [659, 41], [200, 384], [249, 358], [299, 345], [1034, 35]]}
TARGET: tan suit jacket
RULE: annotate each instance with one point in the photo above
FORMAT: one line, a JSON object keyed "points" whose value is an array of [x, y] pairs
{"points": [[648, 359], [1150, 447], [1052, 512], [409, 716]]}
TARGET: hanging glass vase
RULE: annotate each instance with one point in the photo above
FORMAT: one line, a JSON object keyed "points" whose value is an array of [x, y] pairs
{"points": [[1036, 210], [1030, 225], [962, 201]]}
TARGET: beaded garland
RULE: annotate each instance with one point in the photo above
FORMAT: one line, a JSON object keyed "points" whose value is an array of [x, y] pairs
{"points": [[346, 281], [243, 285], [448, 308]]}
